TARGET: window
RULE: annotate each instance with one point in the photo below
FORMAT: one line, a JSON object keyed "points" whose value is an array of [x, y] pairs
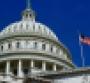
{"points": [[43, 46], [35, 45], [18, 45], [49, 66], [51, 48], [2, 48], [26, 15], [9, 45], [30, 15], [59, 68], [38, 64]]}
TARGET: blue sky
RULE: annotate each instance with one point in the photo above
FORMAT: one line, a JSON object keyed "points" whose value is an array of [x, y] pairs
{"points": [[64, 17]]}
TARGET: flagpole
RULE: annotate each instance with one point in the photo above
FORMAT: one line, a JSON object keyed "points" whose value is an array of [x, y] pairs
{"points": [[81, 52], [85, 77], [82, 56]]}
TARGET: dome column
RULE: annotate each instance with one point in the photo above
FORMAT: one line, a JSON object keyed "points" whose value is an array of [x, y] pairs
{"points": [[44, 66], [54, 67], [20, 73], [7, 67], [32, 64]]}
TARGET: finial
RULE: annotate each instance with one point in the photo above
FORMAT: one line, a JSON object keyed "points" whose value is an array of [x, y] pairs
{"points": [[28, 13], [28, 4]]}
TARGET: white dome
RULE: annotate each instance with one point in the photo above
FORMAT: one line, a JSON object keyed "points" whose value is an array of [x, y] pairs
{"points": [[31, 48], [29, 27]]}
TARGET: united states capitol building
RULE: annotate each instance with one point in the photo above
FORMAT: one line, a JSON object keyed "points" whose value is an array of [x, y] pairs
{"points": [[31, 53]]}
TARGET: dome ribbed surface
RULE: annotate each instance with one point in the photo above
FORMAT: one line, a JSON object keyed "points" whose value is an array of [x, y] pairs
{"points": [[29, 26]]}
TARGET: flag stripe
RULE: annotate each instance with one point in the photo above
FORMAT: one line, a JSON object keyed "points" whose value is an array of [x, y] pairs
{"points": [[85, 40]]}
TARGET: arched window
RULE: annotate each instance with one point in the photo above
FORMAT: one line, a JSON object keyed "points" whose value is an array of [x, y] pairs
{"points": [[51, 48], [18, 45], [26, 15], [43, 46], [35, 45], [2, 48], [9, 46], [30, 15]]}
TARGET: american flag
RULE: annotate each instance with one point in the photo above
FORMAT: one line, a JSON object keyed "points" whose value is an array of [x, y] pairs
{"points": [[84, 39]]}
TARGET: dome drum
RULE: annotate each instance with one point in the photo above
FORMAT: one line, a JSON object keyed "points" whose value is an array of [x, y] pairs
{"points": [[33, 46]]}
